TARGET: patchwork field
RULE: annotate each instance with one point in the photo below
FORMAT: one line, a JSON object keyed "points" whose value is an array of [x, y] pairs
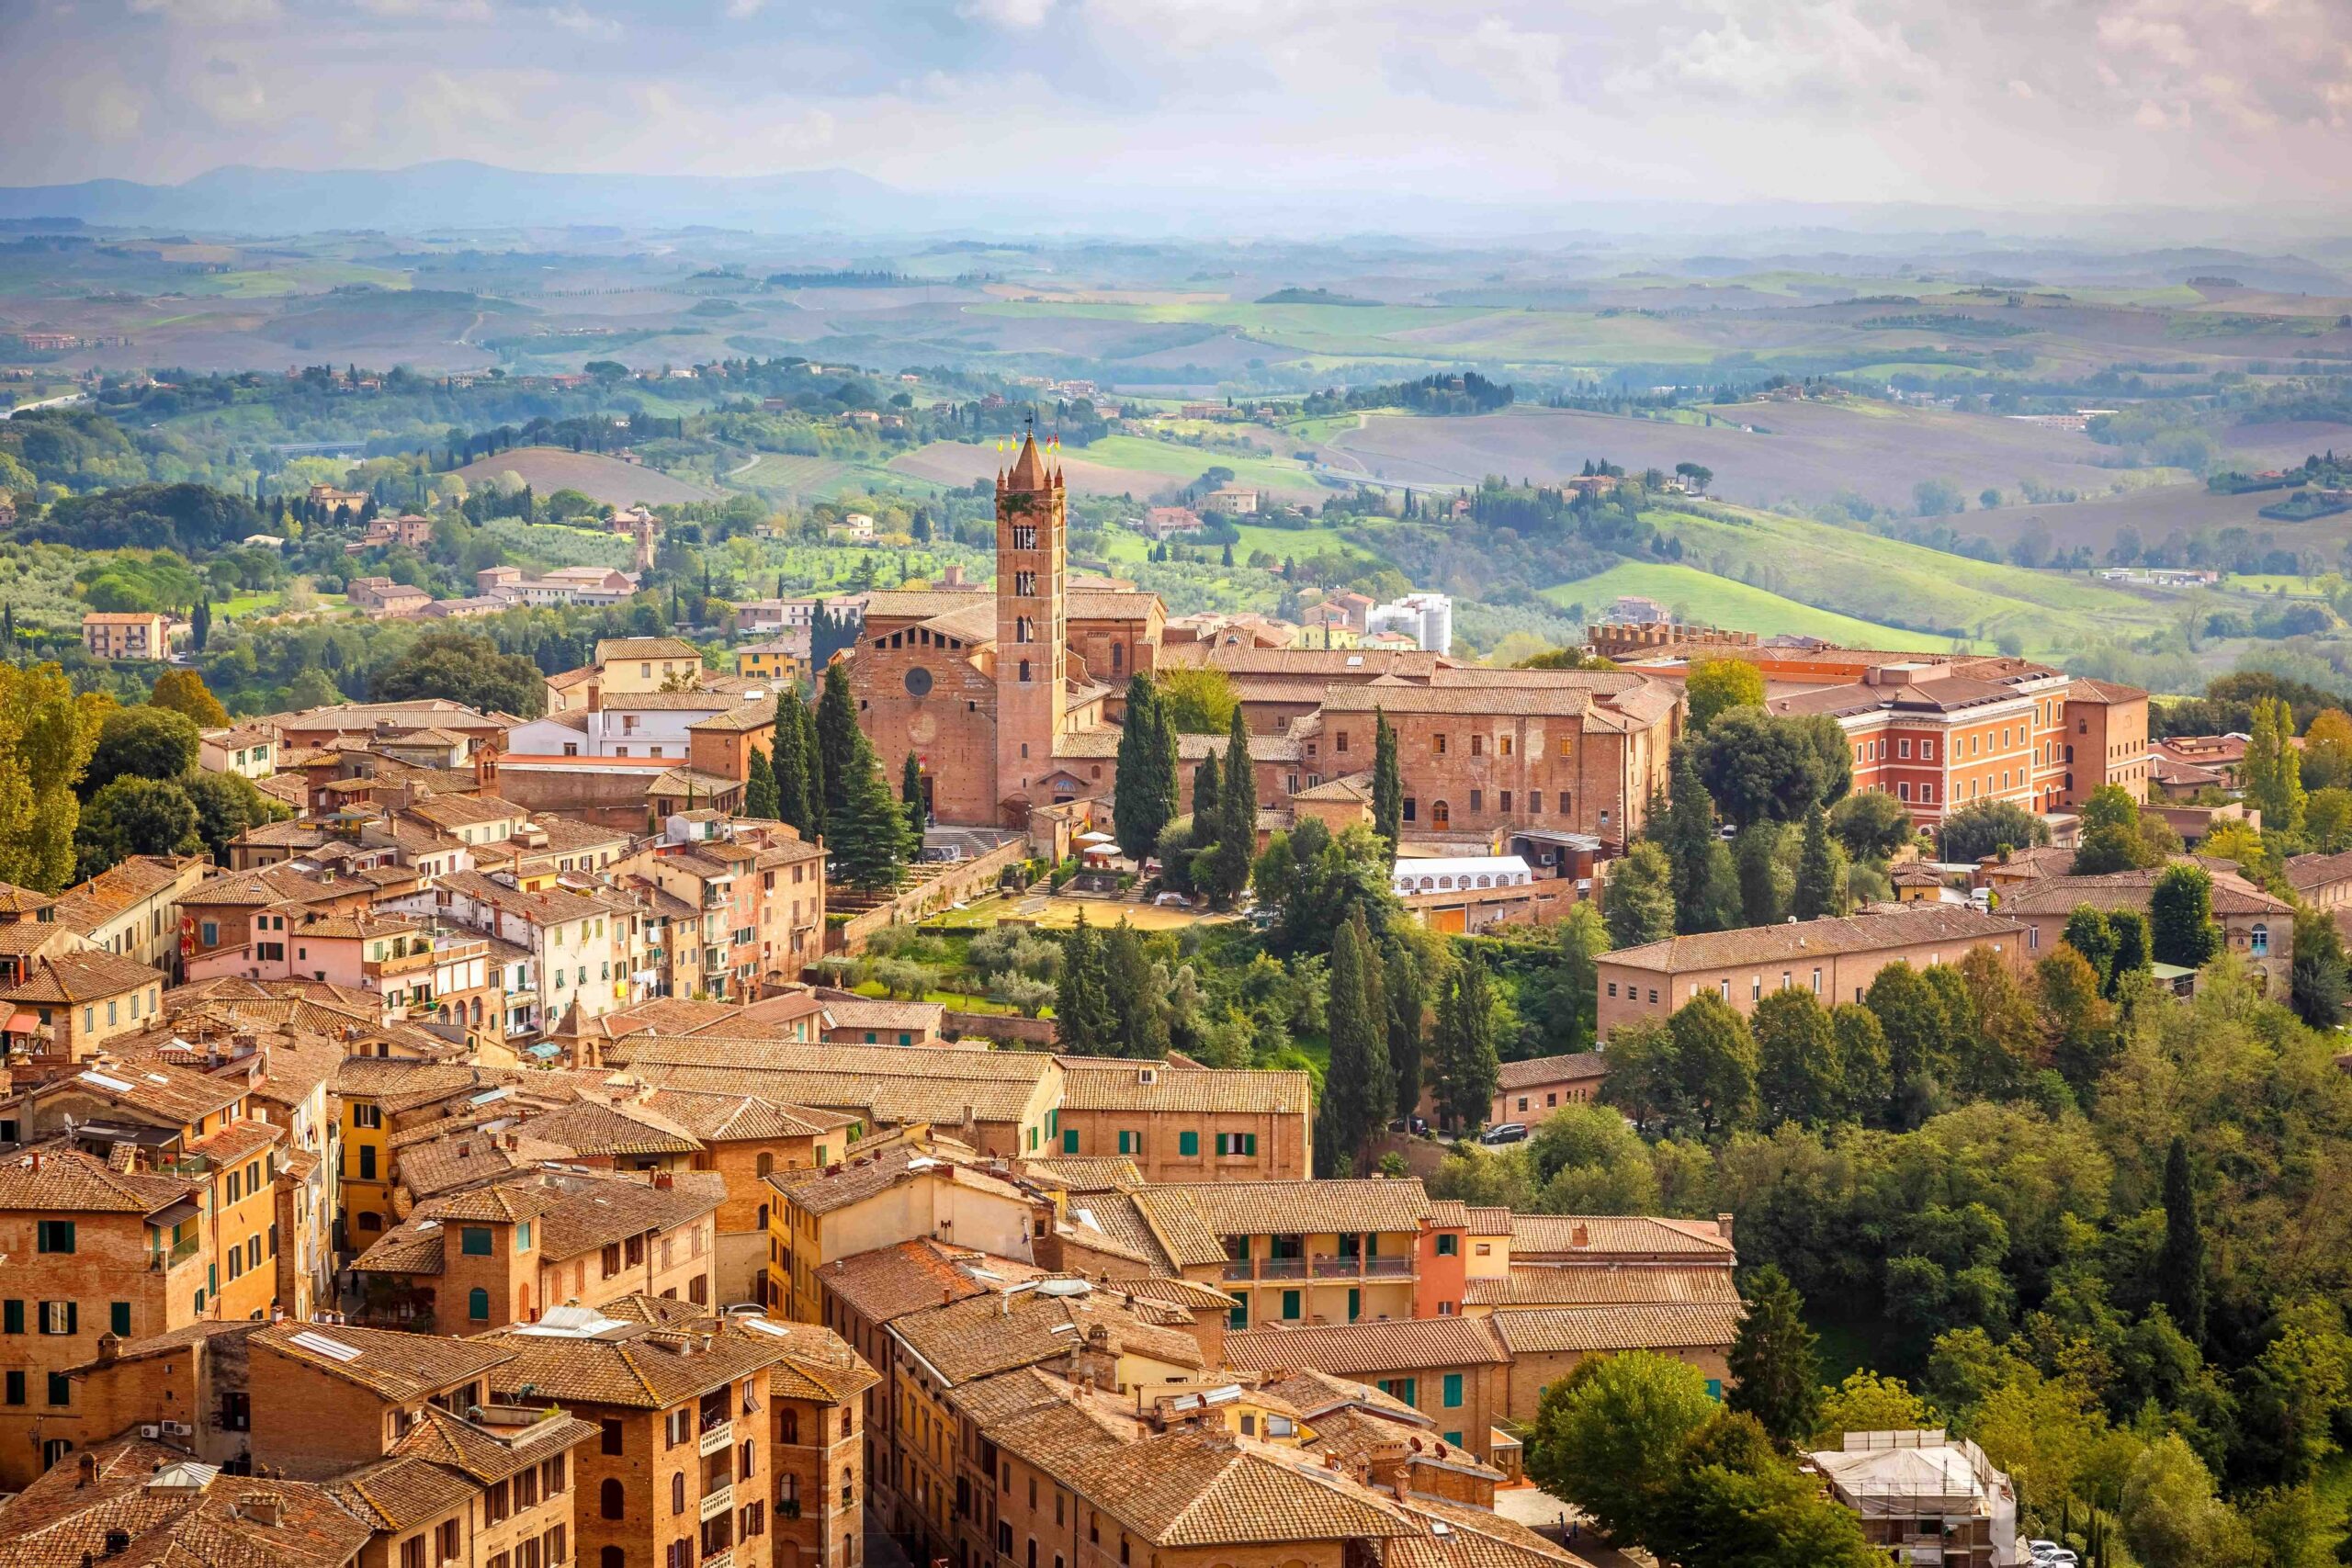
{"points": [[1805, 453], [1725, 601], [1116, 465], [550, 469]]}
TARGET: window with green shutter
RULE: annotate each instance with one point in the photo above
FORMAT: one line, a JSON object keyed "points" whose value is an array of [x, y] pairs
{"points": [[1188, 1144], [1290, 1306], [473, 1241], [53, 1235], [118, 1320], [16, 1388], [14, 1321], [1447, 1246], [1069, 1140], [61, 1389], [478, 1304], [1126, 1143], [1455, 1438], [1715, 1388], [1453, 1391], [1355, 1303], [1239, 1316]]}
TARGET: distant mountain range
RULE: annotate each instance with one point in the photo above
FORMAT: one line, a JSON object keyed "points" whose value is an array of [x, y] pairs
{"points": [[460, 195]]}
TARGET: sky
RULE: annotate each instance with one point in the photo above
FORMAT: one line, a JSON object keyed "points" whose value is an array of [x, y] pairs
{"points": [[2002, 104]]}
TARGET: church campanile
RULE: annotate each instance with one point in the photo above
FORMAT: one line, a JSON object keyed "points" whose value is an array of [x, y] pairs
{"points": [[1032, 628]]}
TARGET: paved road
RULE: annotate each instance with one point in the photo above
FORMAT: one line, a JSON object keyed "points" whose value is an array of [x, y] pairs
{"points": [[46, 404], [1542, 1512]]}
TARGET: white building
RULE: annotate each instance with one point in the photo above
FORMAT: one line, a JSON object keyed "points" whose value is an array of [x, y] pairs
{"points": [[629, 724], [580, 952], [1427, 618]]}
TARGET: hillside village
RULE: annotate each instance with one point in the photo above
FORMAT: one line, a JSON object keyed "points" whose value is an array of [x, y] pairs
{"points": [[524, 1138]]}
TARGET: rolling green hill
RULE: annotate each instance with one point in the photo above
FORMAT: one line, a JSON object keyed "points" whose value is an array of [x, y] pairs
{"points": [[1927, 592], [1725, 601]]}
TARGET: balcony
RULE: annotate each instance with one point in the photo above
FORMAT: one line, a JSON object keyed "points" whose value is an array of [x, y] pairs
{"points": [[162, 1261], [716, 1502], [724, 1558], [717, 1437], [1282, 1268], [1388, 1268], [1239, 1268]]}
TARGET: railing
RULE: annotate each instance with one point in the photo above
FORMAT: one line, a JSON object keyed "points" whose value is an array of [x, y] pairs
{"points": [[1282, 1268], [1342, 1268], [716, 1436], [716, 1503], [1240, 1269], [161, 1260], [723, 1558], [1388, 1268]]}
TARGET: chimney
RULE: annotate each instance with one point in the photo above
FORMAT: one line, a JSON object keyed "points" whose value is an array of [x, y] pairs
{"points": [[109, 1346], [1723, 1225], [88, 1472], [1580, 1237], [662, 1181]]}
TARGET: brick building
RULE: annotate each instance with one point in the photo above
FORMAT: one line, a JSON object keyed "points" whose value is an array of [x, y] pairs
{"points": [[1836, 958], [1008, 700]]}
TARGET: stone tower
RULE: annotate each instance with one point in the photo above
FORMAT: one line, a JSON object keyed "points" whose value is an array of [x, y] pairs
{"points": [[1032, 628]]}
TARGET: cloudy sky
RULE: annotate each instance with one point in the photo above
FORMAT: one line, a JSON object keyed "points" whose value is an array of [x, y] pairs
{"points": [[2007, 102]]}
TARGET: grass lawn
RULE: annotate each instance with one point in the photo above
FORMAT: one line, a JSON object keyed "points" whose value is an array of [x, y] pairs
{"points": [[1061, 914], [2269, 583], [961, 1001], [1725, 601], [976, 917]]}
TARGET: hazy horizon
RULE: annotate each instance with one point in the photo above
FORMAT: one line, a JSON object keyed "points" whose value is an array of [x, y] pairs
{"points": [[2038, 109]]}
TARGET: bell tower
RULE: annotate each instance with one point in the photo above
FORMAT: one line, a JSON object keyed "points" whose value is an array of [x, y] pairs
{"points": [[1032, 624]]}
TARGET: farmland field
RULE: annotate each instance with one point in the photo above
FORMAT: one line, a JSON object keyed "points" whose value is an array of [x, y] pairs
{"points": [[1116, 465], [1701, 596], [1805, 453], [550, 469], [1862, 574]]}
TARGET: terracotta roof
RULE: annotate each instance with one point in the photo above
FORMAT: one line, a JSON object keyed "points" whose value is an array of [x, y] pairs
{"points": [[463, 810], [759, 714], [1459, 1536], [16, 900], [646, 647], [838, 1186], [1091, 1085], [850, 1010], [1488, 1221], [2131, 890], [1602, 1285], [395, 1494], [2305, 872], [1367, 1348], [1059, 1436], [156, 1090], [1087, 1173], [573, 1212], [397, 1084], [1111, 1221], [1914, 925], [1206, 1488], [489, 1453], [997, 1333], [742, 1118], [69, 977], [891, 1281], [154, 1506], [645, 1370], [593, 1128], [1574, 1065], [55, 1179], [889, 1082], [396, 1367], [1606, 1233], [88, 904], [1312, 1392], [1630, 1328], [462, 1155], [1194, 1218]]}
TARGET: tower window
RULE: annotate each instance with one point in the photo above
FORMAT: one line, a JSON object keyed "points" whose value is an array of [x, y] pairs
{"points": [[1024, 536], [1024, 584], [1025, 671]]}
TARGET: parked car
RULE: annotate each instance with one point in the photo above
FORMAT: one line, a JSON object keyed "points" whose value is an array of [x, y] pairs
{"points": [[1172, 901], [1504, 1132]]}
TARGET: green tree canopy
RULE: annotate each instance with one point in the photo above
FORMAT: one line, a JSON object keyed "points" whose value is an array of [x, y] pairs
{"points": [[1637, 901], [1981, 828], [142, 742], [1760, 767], [1776, 1373], [1714, 686], [463, 666]]}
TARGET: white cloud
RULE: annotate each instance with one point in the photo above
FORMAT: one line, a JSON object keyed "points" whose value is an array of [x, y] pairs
{"points": [[573, 19], [1022, 13], [207, 13]]}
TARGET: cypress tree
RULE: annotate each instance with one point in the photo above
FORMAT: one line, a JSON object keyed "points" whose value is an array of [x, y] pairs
{"points": [[1237, 834], [1137, 1009], [1083, 1025], [911, 797], [1464, 1066], [1816, 889], [869, 831], [2180, 1265], [2180, 917], [760, 795], [1207, 784], [1143, 798], [837, 737], [1406, 1000], [789, 765], [1778, 1375], [1357, 1086], [1687, 836], [1387, 784], [812, 762]]}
